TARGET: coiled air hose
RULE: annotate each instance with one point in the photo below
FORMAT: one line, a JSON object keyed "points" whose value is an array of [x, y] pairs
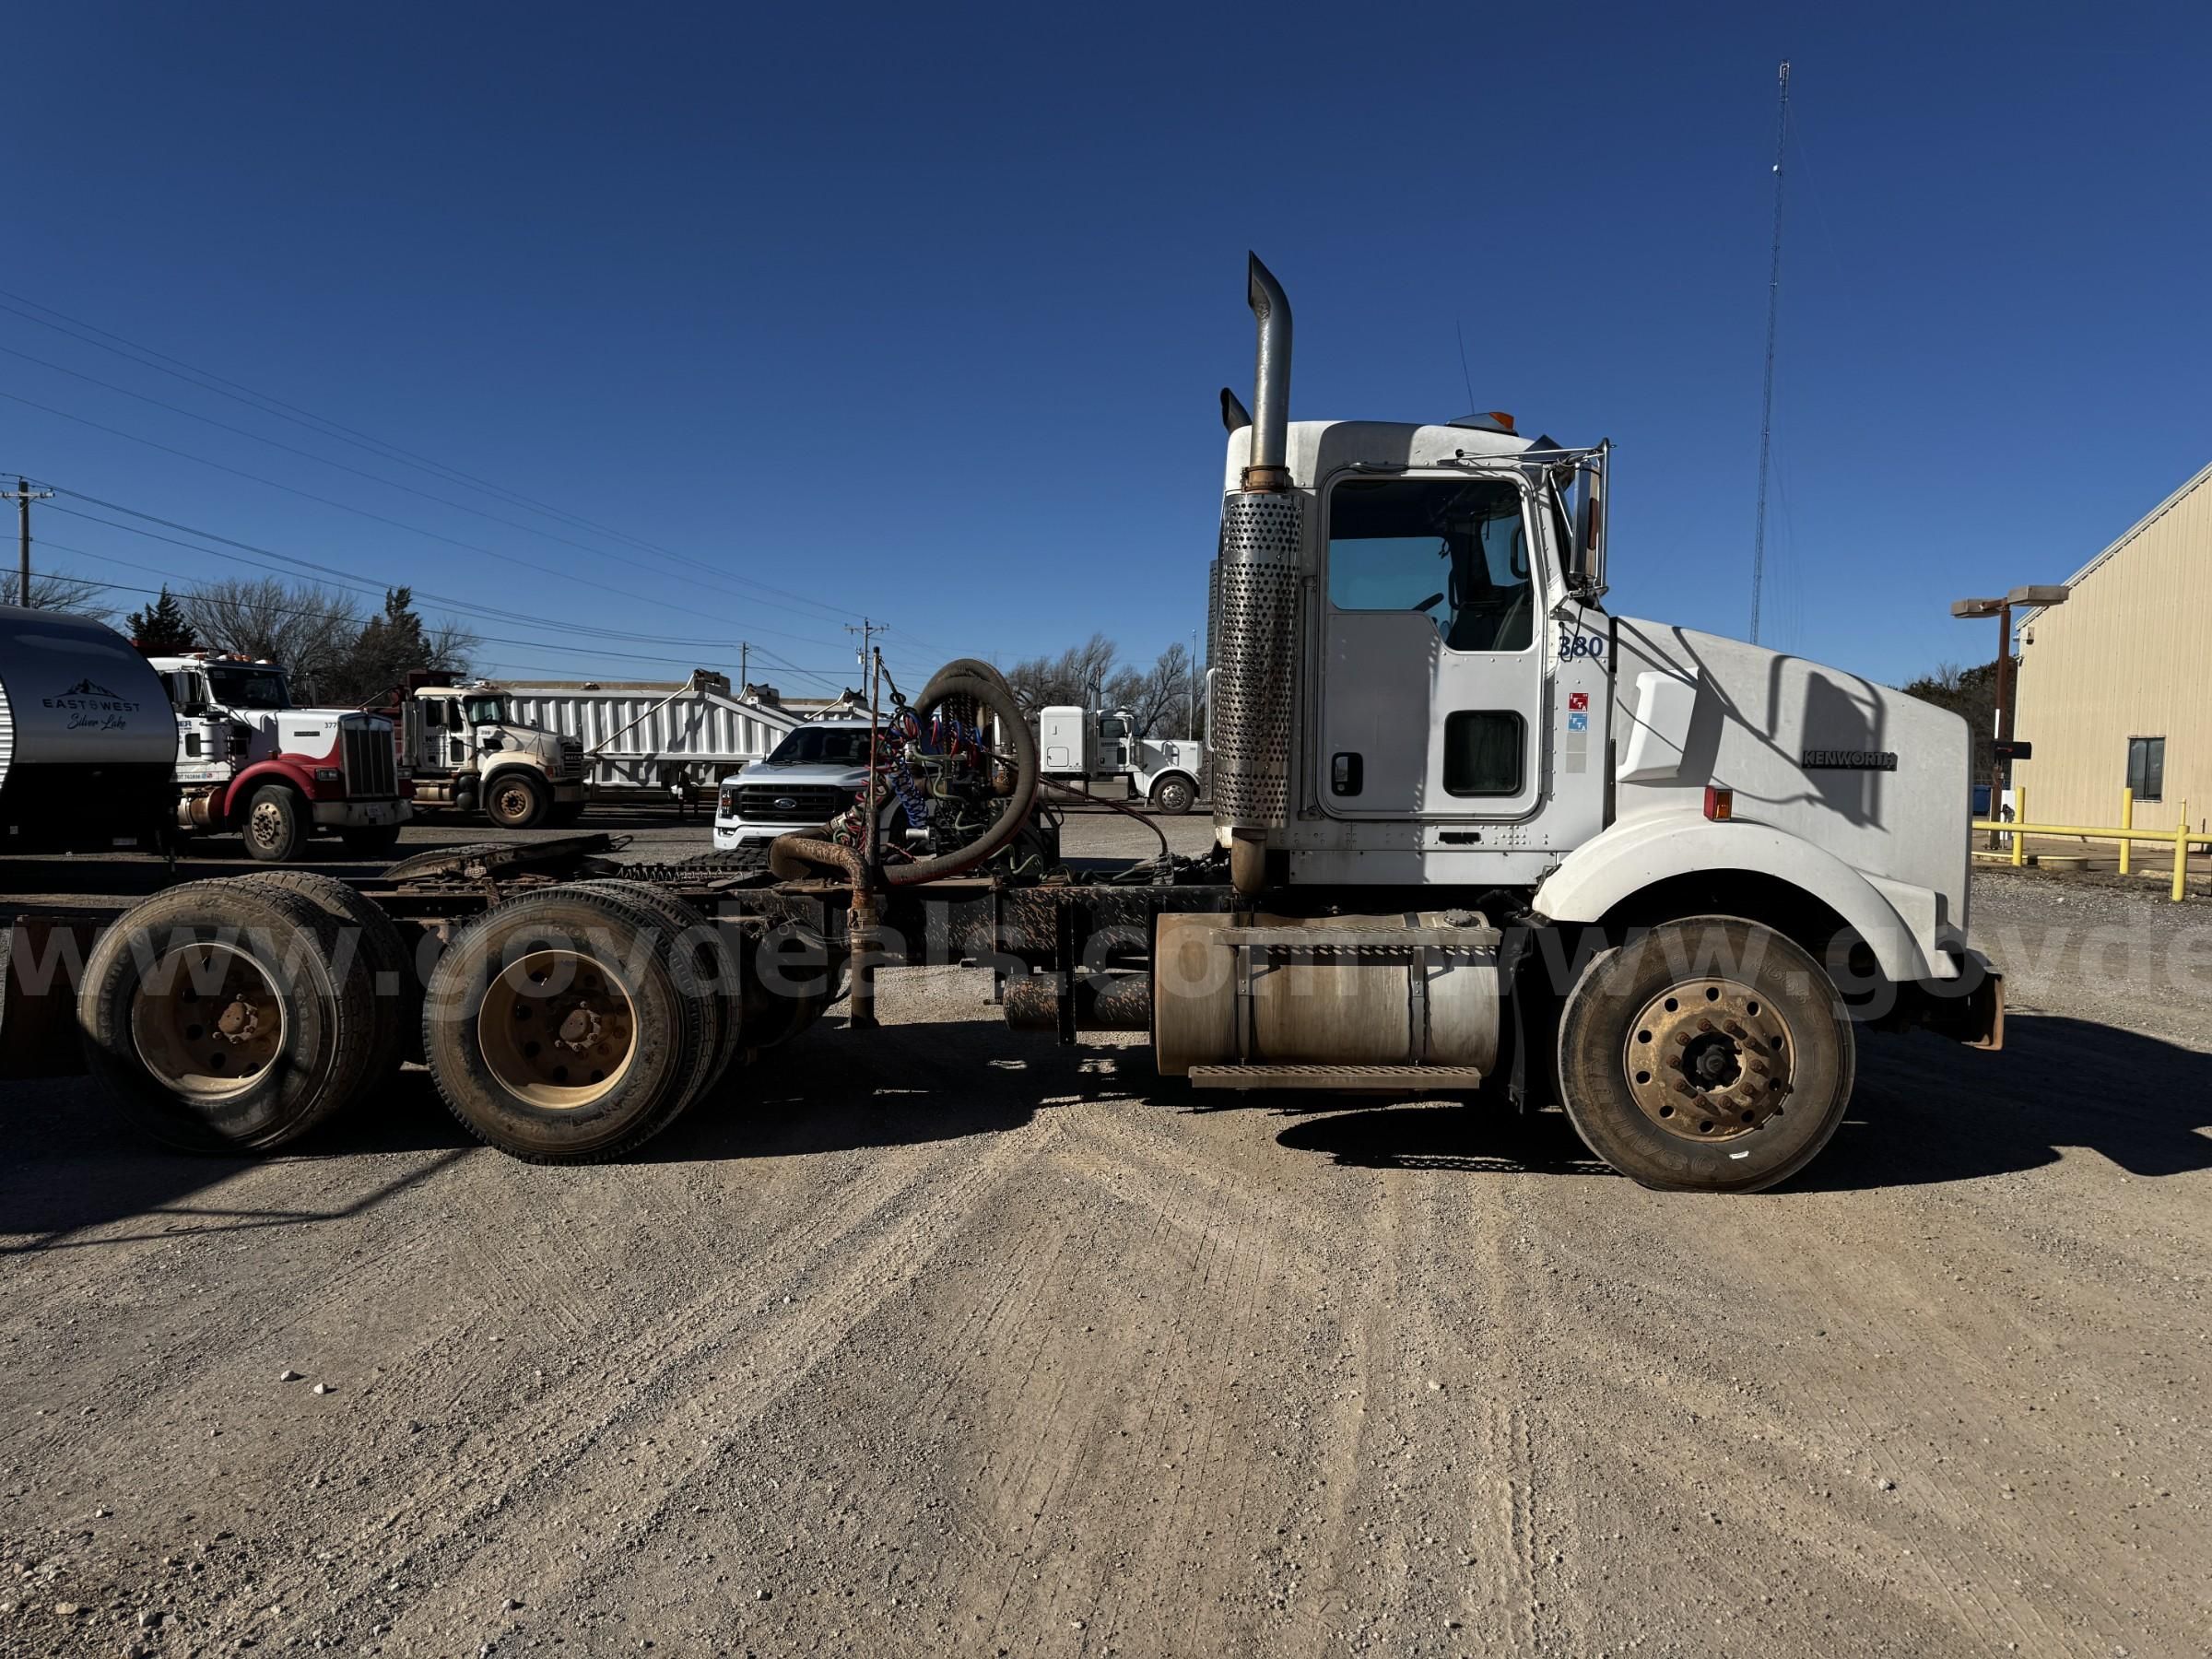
{"points": [[805, 850]]}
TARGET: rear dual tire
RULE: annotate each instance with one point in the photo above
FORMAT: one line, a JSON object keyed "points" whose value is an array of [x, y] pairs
{"points": [[574, 1024], [234, 1016]]}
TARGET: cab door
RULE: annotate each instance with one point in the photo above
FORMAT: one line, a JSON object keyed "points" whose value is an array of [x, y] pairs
{"points": [[1431, 649]]}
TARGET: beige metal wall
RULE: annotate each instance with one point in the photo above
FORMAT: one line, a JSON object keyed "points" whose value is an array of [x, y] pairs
{"points": [[2128, 656]]}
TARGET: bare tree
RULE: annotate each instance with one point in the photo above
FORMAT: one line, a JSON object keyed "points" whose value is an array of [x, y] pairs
{"points": [[1079, 675], [1154, 694], [452, 646], [58, 590], [309, 631]]}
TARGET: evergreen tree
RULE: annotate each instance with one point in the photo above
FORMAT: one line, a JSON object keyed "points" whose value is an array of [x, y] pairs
{"points": [[392, 643], [160, 629]]}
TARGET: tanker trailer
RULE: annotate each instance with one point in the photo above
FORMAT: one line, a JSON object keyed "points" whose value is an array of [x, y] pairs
{"points": [[87, 743]]}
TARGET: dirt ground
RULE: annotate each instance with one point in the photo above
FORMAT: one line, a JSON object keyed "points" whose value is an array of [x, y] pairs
{"points": [[952, 1341]]}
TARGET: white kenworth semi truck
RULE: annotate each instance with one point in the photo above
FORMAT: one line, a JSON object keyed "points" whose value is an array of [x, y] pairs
{"points": [[1475, 837]]}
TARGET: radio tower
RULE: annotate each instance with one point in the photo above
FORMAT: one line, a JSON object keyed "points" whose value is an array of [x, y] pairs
{"points": [[1766, 414]]}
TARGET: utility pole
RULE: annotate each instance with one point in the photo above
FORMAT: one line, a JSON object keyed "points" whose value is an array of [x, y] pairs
{"points": [[867, 630], [23, 495], [745, 675], [1766, 416]]}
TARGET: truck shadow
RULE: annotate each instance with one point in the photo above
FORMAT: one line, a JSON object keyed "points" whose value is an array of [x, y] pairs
{"points": [[1925, 1111], [1929, 1111], [834, 1090]]}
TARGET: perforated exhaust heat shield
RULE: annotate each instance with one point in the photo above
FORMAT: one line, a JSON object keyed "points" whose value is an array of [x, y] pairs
{"points": [[1251, 645]]}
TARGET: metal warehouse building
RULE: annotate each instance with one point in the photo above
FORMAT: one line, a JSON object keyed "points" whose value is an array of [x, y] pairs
{"points": [[2115, 685]]}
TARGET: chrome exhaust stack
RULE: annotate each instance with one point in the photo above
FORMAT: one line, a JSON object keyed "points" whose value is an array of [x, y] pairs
{"points": [[1252, 632], [1270, 382]]}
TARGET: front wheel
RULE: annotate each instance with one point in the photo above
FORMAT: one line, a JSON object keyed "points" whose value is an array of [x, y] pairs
{"points": [[274, 828], [1710, 1054], [1173, 795], [516, 799]]}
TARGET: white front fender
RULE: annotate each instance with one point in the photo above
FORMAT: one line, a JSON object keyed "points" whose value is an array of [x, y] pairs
{"points": [[1643, 850]]}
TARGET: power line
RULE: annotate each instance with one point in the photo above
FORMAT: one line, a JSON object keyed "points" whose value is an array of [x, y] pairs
{"points": [[289, 448], [344, 579], [237, 472], [207, 380], [827, 676]]}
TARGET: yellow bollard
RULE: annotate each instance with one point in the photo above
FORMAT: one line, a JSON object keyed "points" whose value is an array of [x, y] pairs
{"points": [[2181, 855], [2019, 817], [2128, 821]]}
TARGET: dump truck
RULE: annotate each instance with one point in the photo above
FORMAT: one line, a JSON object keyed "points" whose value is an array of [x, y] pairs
{"points": [[654, 738], [1102, 746], [1474, 835], [466, 749]]}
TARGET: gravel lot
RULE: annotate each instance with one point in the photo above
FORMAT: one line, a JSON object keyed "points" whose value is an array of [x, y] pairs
{"points": [[951, 1341]]}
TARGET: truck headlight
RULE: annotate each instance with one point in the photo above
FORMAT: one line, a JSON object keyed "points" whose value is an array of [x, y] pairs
{"points": [[725, 803]]}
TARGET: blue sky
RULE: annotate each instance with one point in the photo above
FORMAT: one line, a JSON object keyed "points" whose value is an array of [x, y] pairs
{"points": [[922, 314]]}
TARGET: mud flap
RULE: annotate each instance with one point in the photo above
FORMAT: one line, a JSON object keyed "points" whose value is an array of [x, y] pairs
{"points": [[1968, 1009], [45, 961]]}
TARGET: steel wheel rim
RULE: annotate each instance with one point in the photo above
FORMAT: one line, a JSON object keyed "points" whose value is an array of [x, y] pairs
{"points": [[1710, 1060], [512, 801], [1175, 797], [266, 822], [558, 1029], [207, 1021]]}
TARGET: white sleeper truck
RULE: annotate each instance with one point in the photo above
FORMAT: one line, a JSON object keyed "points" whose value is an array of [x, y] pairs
{"points": [[1090, 745], [1476, 836]]}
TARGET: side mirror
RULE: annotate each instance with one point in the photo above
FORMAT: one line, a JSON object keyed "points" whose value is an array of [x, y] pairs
{"points": [[1586, 557]]}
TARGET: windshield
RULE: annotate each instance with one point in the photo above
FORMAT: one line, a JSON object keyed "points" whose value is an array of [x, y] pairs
{"points": [[823, 745], [248, 687], [484, 708]]}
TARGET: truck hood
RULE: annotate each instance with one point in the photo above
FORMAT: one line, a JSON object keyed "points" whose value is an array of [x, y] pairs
{"points": [[813, 772], [1876, 778]]}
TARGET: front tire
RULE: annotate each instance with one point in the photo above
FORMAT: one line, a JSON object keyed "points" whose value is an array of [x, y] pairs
{"points": [[275, 829], [1173, 797], [516, 799], [1710, 1054]]}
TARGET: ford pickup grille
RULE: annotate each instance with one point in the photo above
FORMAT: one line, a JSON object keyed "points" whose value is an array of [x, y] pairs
{"points": [[797, 803], [371, 768]]}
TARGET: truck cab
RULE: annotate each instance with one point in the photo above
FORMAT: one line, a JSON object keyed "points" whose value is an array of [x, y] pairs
{"points": [[248, 759], [1075, 743], [468, 750]]}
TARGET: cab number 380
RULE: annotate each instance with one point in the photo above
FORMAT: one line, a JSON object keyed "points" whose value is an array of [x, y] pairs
{"points": [[1573, 646]]}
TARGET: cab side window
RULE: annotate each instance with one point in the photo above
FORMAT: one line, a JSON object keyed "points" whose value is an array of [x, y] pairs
{"points": [[1455, 549]]}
